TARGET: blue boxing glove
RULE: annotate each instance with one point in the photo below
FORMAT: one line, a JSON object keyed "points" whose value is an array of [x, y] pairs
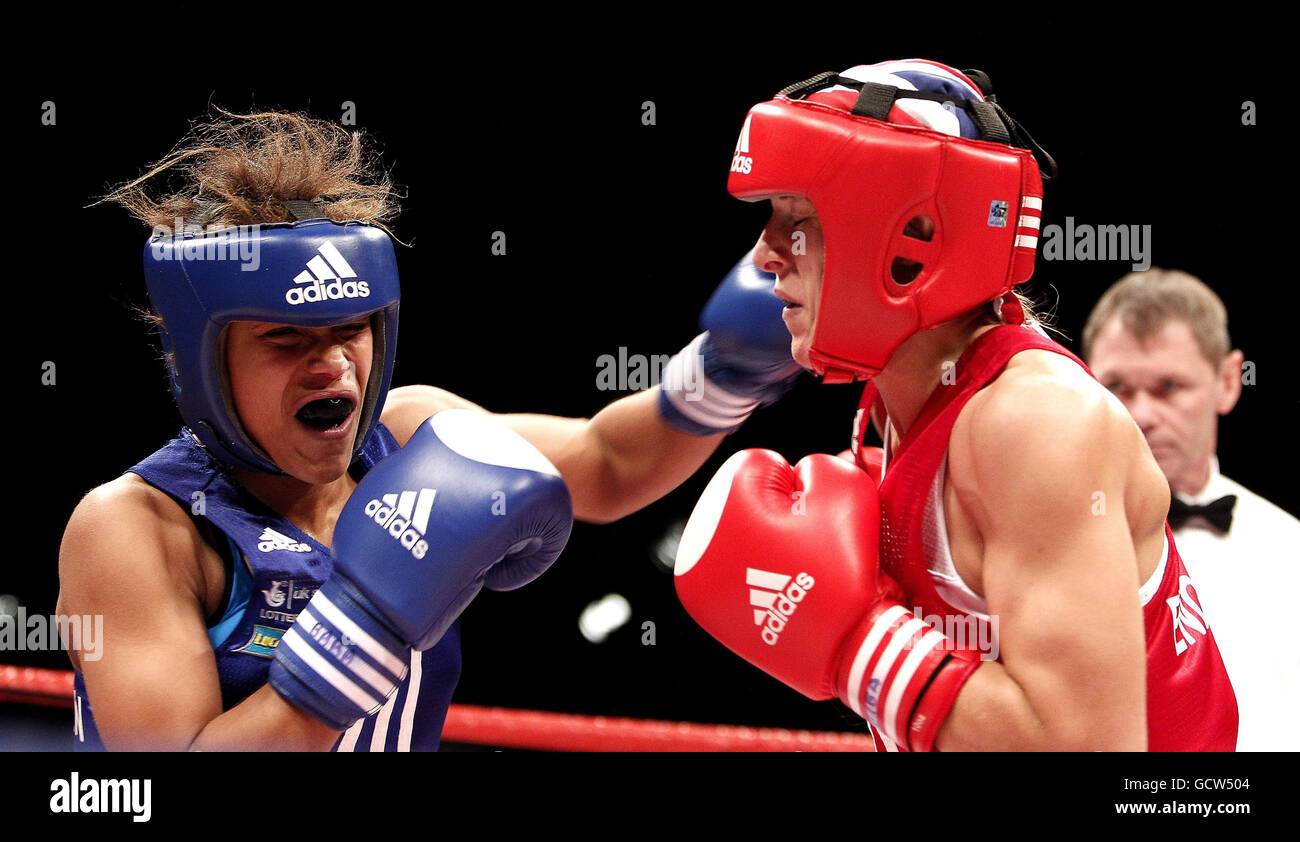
{"points": [[466, 503], [739, 363]]}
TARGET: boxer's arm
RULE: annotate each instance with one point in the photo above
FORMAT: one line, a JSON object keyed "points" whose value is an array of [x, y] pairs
{"points": [[128, 555], [1042, 472], [641, 447], [620, 460], [407, 407]]}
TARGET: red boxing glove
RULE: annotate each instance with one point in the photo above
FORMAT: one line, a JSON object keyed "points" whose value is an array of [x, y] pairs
{"points": [[780, 564], [872, 460]]}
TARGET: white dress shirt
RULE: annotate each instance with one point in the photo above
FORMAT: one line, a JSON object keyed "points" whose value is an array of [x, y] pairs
{"points": [[1248, 581]]}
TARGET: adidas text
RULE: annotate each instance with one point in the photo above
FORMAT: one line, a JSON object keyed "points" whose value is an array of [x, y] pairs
{"points": [[398, 527], [327, 276], [783, 608], [331, 291], [741, 162]]}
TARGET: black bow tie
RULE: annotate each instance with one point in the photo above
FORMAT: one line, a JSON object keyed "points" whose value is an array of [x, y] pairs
{"points": [[1217, 512]]}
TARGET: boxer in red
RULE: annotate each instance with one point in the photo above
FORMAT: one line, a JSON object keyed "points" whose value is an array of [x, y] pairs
{"points": [[1018, 498]]}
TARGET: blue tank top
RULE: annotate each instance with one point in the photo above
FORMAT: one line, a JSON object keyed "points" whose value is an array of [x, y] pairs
{"points": [[273, 570]]}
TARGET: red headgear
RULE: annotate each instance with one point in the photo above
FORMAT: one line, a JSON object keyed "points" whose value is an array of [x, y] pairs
{"points": [[872, 149]]}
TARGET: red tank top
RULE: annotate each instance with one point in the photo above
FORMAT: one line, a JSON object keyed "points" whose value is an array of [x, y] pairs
{"points": [[1190, 702]]}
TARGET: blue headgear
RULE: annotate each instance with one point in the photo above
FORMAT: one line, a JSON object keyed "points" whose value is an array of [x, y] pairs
{"points": [[311, 273]]}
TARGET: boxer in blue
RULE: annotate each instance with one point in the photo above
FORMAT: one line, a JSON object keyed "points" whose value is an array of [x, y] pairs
{"points": [[287, 572]]}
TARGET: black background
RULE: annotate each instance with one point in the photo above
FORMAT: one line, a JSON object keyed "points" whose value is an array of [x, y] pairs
{"points": [[616, 234]]}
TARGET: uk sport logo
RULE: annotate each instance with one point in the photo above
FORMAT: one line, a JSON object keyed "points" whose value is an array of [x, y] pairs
{"points": [[283, 593], [741, 162], [774, 598], [327, 277], [405, 516]]}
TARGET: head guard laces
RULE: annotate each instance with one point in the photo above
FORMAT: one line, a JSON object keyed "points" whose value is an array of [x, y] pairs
{"points": [[873, 149], [311, 273]]}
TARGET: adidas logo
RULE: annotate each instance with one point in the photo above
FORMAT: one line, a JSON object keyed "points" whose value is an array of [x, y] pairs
{"points": [[774, 598], [323, 279], [405, 516], [270, 540], [741, 162]]}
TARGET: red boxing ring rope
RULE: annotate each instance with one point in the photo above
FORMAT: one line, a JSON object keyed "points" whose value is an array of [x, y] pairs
{"points": [[525, 729]]}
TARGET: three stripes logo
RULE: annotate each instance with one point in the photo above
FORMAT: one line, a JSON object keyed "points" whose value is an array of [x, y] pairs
{"points": [[405, 516], [741, 162], [774, 598], [1031, 212], [327, 276], [270, 540]]}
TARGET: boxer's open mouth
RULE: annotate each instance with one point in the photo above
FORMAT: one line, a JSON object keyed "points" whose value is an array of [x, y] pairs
{"points": [[326, 414], [787, 303]]}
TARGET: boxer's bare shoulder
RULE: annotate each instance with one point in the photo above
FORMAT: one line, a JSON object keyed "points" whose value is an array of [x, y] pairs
{"points": [[407, 407], [1045, 445], [126, 538], [129, 508]]}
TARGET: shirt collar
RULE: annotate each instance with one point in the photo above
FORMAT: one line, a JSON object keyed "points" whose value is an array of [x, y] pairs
{"points": [[1215, 487]]}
